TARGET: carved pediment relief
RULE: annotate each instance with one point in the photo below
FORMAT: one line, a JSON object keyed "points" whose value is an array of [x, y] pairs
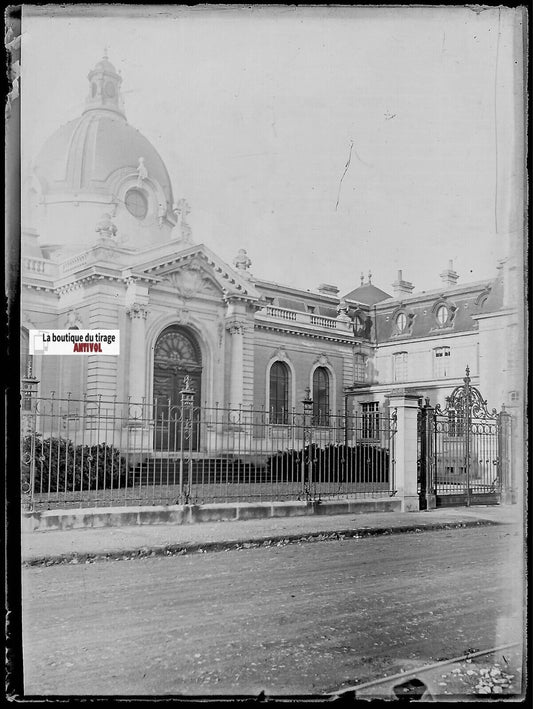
{"points": [[191, 280]]}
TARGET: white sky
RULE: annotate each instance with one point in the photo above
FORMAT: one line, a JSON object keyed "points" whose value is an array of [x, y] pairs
{"points": [[253, 111]]}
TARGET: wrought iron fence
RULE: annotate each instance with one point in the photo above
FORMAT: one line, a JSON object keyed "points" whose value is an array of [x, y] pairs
{"points": [[102, 452]]}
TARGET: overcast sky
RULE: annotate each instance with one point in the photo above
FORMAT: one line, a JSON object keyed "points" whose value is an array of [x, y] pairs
{"points": [[254, 112]]}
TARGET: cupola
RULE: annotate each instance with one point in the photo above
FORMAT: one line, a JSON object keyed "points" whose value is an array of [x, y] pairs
{"points": [[104, 87]]}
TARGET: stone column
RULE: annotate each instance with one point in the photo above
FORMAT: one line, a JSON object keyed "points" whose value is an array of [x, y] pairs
{"points": [[137, 358], [236, 330], [405, 448]]}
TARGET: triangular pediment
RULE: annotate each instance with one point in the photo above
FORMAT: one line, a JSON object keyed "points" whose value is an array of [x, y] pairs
{"points": [[194, 271]]}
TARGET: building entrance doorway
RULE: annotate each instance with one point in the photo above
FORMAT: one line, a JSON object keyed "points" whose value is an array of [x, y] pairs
{"points": [[177, 355]]}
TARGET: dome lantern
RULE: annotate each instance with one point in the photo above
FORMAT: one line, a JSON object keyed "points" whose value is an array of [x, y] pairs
{"points": [[104, 87]]}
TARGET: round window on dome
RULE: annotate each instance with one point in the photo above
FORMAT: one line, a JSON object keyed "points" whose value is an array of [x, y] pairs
{"points": [[136, 203]]}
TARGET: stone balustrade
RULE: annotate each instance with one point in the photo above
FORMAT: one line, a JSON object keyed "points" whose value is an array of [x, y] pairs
{"points": [[75, 262], [36, 265], [271, 312]]}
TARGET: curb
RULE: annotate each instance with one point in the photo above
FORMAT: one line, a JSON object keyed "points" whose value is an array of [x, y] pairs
{"points": [[266, 541], [97, 518]]}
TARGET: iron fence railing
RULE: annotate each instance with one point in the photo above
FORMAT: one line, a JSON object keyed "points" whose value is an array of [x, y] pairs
{"points": [[94, 452]]}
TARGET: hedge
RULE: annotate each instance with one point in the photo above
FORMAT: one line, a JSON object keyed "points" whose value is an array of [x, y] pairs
{"points": [[60, 465], [333, 463]]}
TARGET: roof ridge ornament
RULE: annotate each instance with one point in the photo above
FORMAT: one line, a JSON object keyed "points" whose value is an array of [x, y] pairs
{"points": [[242, 263]]}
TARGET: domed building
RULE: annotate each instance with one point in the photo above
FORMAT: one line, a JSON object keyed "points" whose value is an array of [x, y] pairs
{"points": [[106, 246], [99, 165]]}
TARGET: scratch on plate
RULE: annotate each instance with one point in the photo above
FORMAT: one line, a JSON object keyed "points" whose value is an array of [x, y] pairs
{"points": [[344, 173]]}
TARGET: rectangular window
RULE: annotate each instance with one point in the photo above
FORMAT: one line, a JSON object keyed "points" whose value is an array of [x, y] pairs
{"points": [[399, 367], [359, 368], [455, 424], [370, 420], [441, 362]]}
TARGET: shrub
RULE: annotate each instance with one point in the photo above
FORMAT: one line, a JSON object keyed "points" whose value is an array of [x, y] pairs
{"points": [[361, 463], [60, 465]]}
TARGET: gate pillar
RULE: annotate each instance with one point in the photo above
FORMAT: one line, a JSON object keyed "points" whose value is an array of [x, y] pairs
{"points": [[508, 486], [406, 448]]}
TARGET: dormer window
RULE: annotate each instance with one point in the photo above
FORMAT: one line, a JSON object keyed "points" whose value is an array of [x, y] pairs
{"points": [[442, 315], [136, 203], [401, 322]]}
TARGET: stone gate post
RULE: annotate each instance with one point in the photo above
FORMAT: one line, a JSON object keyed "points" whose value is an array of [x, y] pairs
{"points": [[406, 453]]}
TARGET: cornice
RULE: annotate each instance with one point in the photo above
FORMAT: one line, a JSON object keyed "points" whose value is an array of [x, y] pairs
{"points": [[315, 335], [39, 287], [81, 281]]}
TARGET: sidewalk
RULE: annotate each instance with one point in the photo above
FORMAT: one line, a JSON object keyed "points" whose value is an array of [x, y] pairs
{"points": [[105, 543]]}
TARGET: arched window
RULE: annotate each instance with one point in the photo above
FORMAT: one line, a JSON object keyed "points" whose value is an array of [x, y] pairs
{"points": [[279, 393], [321, 396]]}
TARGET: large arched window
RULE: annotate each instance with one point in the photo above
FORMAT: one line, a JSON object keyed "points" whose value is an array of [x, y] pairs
{"points": [[279, 393], [321, 396]]}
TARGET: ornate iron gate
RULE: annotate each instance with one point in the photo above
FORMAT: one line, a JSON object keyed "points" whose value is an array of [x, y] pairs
{"points": [[463, 450]]}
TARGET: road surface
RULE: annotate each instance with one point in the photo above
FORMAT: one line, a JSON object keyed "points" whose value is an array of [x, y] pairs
{"points": [[302, 618]]}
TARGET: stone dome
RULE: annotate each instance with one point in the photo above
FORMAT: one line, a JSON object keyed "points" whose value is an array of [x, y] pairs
{"points": [[86, 153], [93, 152]]}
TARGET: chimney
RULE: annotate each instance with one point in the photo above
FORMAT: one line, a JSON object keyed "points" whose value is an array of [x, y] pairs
{"points": [[328, 289], [449, 277], [400, 286]]}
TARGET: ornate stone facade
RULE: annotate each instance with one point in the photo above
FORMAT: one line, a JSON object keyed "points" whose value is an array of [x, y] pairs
{"points": [[139, 270]]}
